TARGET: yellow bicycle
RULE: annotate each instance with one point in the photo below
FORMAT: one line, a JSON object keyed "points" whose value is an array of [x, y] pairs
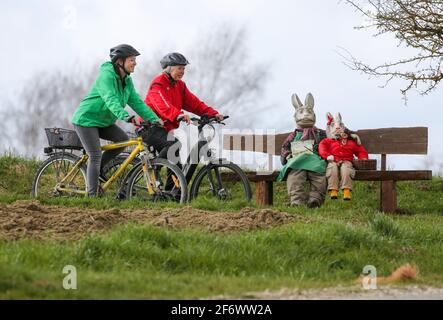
{"points": [[64, 172]]}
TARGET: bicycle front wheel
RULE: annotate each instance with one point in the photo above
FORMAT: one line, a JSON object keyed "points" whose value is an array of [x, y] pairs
{"points": [[222, 180], [49, 181], [162, 182]]}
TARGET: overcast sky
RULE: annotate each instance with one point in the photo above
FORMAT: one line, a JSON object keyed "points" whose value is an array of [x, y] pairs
{"points": [[299, 38]]}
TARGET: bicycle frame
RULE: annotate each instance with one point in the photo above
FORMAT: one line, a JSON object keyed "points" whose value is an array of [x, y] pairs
{"points": [[188, 167], [138, 149], [138, 142]]}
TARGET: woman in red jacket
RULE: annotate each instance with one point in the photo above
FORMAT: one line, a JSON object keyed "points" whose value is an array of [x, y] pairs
{"points": [[168, 96], [339, 153]]}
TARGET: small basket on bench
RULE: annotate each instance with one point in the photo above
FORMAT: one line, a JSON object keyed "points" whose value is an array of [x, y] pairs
{"points": [[370, 164], [63, 138]]}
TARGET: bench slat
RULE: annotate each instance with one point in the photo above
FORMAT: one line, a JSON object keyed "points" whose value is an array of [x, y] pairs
{"points": [[393, 175], [395, 140], [368, 175]]}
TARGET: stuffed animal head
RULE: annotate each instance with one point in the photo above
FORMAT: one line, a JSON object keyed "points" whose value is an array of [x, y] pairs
{"points": [[334, 126], [304, 114], [336, 129]]}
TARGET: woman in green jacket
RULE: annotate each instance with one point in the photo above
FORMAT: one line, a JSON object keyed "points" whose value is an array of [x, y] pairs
{"points": [[96, 115]]}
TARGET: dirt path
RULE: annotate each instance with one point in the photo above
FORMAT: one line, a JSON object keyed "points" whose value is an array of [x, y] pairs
{"points": [[347, 293], [31, 219]]}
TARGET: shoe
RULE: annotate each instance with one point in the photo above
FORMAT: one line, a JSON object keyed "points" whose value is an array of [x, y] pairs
{"points": [[314, 204], [333, 193], [346, 194], [99, 194], [121, 195]]}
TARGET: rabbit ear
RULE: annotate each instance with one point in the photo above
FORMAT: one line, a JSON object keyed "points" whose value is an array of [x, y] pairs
{"points": [[329, 118], [339, 117], [296, 101], [309, 101]]}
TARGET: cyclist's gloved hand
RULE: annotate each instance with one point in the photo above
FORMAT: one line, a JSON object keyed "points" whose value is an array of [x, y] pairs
{"points": [[220, 117], [133, 120], [184, 117], [160, 122]]}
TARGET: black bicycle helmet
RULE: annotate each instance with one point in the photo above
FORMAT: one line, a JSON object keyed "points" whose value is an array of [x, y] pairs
{"points": [[122, 51], [173, 59]]}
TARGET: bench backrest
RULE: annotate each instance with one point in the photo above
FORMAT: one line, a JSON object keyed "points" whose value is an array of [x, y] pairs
{"points": [[395, 140], [412, 140]]}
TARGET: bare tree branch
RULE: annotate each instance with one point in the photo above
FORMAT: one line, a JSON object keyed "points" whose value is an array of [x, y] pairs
{"points": [[417, 24]]}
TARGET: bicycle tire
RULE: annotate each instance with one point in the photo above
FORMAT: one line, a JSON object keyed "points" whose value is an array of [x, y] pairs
{"points": [[44, 181], [160, 167], [199, 185]]}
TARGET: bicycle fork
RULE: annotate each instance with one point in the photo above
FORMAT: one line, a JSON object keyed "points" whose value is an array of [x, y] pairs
{"points": [[153, 179], [216, 186], [150, 179]]}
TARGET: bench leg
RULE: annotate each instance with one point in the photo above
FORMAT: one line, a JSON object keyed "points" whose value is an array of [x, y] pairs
{"points": [[388, 196], [264, 192]]}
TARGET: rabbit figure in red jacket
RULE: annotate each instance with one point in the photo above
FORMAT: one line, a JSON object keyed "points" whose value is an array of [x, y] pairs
{"points": [[339, 149]]}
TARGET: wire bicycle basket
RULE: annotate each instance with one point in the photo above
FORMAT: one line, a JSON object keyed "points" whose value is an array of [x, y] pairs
{"points": [[63, 138]]}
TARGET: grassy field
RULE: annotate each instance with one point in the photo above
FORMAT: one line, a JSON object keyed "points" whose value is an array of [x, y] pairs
{"points": [[133, 260]]}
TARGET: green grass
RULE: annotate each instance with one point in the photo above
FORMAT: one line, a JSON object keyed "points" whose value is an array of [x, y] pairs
{"points": [[139, 261], [16, 175], [134, 261]]}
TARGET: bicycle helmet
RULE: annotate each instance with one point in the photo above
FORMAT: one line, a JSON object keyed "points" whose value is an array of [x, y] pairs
{"points": [[173, 59], [122, 51]]}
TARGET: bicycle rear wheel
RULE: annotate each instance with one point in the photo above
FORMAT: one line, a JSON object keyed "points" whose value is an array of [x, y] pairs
{"points": [[163, 182], [47, 180], [223, 180]]}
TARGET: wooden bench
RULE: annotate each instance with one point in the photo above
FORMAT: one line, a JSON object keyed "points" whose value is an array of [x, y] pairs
{"points": [[377, 141]]}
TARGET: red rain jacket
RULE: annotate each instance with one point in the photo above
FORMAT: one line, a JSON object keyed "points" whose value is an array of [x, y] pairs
{"points": [[167, 99], [341, 152]]}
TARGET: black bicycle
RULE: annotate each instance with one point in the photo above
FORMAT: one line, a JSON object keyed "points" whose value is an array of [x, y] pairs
{"points": [[218, 178]]}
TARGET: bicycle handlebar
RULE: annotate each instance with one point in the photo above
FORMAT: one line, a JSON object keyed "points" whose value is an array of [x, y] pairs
{"points": [[204, 120], [144, 125]]}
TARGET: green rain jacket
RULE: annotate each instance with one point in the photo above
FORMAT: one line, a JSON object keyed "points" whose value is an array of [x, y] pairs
{"points": [[107, 99], [311, 162]]}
